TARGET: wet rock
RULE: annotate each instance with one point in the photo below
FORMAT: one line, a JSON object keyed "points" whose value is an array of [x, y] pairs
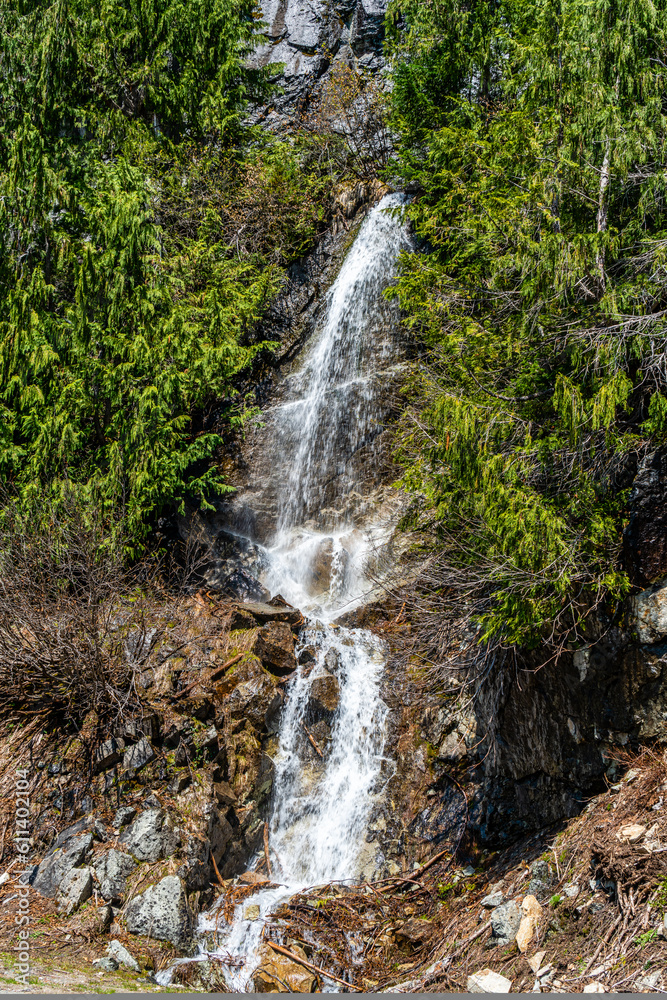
{"points": [[279, 974], [307, 655], [53, 869], [251, 912], [149, 838], [111, 870], [161, 912], [324, 694], [108, 754], [274, 646], [137, 756], [122, 956], [486, 981], [332, 661], [531, 912], [645, 539], [505, 922]]}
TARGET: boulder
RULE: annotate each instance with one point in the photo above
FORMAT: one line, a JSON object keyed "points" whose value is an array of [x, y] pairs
{"points": [[486, 981], [106, 964], [148, 726], [75, 888], [493, 900], [112, 869], [264, 613], [108, 754], [531, 911], [123, 816], [161, 912], [541, 882], [138, 756], [148, 838], [72, 831], [279, 974], [274, 646], [536, 961], [324, 694], [224, 794], [505, 922], [122, 956], [58, 863], [255, 699]]}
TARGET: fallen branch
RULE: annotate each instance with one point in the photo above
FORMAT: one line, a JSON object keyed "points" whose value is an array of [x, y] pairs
{"points": [[317, 749], [211, 677], [313, 968], [418, 871], [217, 873]]}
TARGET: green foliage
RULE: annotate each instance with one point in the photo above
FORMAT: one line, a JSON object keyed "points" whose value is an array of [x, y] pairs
{"points": [[536, 136], [127, 304], [646, 938]]}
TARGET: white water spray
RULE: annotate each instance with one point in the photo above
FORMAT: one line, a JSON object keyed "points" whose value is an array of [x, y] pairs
{"points": [[322, 807]]}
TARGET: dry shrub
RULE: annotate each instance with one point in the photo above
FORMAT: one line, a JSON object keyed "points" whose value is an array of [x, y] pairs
{"points": [[349, 119], [71, 639]]}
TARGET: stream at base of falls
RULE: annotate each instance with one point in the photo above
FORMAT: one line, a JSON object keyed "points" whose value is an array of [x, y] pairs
{"points": [[322, 804]]}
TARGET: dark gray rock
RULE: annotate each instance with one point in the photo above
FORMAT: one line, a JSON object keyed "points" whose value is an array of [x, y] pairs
{"points": [[75, 888], [58, 863], [137, 756], [112, 869], [179, 783], [161, 912], [123, 816], [505, 921], [149, 838], [106, 964], [72, 831], [108, 754], [541, 882]]}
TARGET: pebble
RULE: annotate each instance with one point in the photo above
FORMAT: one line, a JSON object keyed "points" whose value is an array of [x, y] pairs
{"points": [[486, 981], [535, 961], [594, 988]]}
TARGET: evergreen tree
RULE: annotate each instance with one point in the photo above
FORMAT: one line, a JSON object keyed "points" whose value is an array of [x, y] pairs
{"points": [[540, 292]]}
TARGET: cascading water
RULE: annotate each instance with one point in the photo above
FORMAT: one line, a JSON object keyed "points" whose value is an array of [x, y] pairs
{"points": [[322, 804]]}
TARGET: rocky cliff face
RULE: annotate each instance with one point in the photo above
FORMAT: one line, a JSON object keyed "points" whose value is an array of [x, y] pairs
{"points": [[308, 37]]}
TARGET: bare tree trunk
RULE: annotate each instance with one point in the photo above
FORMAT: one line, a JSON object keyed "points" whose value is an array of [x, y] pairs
{"points": [[602, 202]]}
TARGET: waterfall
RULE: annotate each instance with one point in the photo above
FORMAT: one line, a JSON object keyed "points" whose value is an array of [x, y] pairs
{"points": [[322, 806]]}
